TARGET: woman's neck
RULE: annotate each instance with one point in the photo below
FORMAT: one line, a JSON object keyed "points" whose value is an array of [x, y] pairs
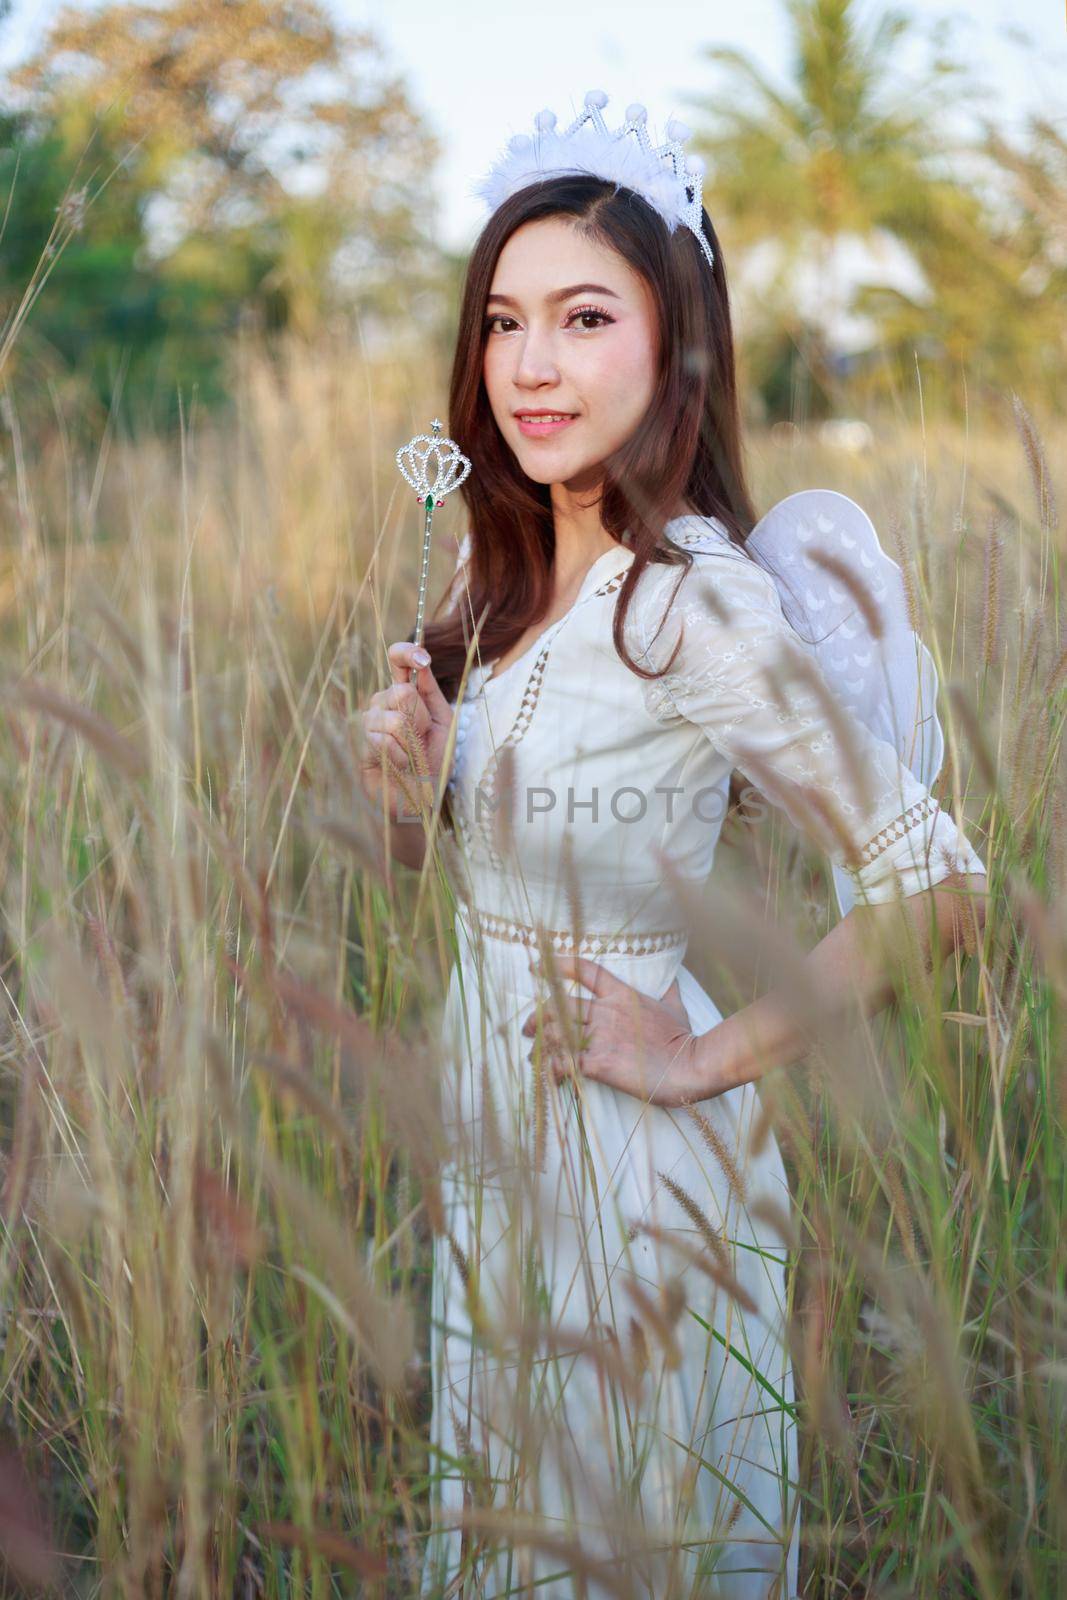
{"points": [[580, 535]]}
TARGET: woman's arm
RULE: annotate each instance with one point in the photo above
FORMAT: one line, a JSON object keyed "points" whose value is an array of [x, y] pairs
{"points": [[854, 965], [407, 844], [621, 1037], [407, 838], [393, 772], [407, 841]]}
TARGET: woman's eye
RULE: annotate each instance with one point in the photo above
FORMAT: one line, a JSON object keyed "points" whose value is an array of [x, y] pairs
{"points": [[583, 312], [590, 311]]}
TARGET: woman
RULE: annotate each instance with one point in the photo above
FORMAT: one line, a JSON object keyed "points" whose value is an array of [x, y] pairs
{"points": [[613, 1399]]}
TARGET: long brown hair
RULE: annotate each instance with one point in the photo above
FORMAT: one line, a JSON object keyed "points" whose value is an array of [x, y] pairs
{"points": [[686, 447]]}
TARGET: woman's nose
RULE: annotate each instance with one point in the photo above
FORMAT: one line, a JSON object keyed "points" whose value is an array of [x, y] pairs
{"points": [[536, 362]]}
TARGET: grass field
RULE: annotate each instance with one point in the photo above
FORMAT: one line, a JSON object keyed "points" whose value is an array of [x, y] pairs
{"points": [[220, 1023]]}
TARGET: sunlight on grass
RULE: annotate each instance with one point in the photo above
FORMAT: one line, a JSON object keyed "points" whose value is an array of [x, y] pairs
{"points": [[222, 1008]]}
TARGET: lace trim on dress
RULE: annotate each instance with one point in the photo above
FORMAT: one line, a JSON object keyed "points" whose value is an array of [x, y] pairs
{"points": [[896, 830], [564, 942], [610, 586], [531, 695]]}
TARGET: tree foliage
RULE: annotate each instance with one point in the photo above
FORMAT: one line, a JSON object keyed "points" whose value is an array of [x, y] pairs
{"points": [[215, 164], [858, 143], [247, 159]]}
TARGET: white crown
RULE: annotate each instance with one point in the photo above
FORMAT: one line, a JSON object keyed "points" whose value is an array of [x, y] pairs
{"points": [[660, 173]]}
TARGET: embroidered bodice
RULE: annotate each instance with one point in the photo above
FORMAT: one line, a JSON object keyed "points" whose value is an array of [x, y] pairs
{"points": [[572, 775]]}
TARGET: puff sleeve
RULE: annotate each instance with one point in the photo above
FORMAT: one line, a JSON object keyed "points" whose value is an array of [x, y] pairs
{"points": [[743, 676]]}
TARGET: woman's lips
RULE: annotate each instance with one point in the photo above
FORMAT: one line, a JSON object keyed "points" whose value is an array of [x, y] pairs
{"points": [[540, 427]]}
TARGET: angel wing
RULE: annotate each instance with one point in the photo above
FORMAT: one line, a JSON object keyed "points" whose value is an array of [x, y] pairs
{"points": [[886, 676]]}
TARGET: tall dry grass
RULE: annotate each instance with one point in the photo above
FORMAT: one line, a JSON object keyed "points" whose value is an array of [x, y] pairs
{"points": [[221, 1008]]}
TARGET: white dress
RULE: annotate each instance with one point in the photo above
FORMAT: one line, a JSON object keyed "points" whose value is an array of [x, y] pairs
{"points": [[592, 1381]]}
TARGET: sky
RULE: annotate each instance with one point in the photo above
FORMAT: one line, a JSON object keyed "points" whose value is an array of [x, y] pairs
{"points": [[480, 69]]}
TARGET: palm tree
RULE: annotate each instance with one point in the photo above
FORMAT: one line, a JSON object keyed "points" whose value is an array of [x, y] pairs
{"points": [[846, 148], [999, 271]]}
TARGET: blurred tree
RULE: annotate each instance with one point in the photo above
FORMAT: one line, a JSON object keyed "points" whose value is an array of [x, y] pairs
{"points": [[1038, 175], [79, 299], [270, 168], [785, 358], [854, 147], [1000, 272], [838, 149]]}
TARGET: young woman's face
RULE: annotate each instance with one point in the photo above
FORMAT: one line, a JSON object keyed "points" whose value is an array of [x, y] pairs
{"points": [[570, 330]]}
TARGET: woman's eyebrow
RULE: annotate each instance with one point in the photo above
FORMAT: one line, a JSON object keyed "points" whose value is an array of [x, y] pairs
{"points": [[559, 295]]}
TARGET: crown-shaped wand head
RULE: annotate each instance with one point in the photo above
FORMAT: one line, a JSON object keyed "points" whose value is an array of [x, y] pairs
{"points": [[416, 459]]}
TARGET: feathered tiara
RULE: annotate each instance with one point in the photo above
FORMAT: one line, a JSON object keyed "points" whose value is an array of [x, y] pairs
{"points": [[660, 173]]}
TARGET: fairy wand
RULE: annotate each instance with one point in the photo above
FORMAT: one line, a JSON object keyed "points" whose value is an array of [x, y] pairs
{"points": [[450, 467]]}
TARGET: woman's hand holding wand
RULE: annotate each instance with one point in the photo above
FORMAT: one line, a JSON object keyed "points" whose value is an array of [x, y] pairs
{"points": [[408, 724]]}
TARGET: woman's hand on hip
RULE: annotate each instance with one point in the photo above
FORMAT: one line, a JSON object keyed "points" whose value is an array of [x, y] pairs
{"points": [[621, 1037]]}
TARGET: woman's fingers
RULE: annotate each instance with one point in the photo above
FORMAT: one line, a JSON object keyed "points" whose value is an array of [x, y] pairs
{"points": [[576, 1017], [551, 1039], [383, 744], [555, 1048], [565, 1061], [397, 697], [403, 656], [381, 719], [591, 975], [387, 731], [557, 1062], [402, 694]]}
